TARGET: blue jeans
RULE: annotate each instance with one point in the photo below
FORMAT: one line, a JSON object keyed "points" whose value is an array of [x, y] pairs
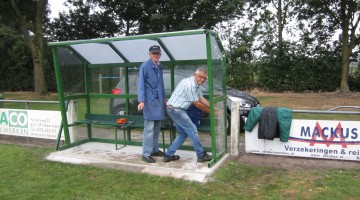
{"points": [[150, 137], [185, 128]]}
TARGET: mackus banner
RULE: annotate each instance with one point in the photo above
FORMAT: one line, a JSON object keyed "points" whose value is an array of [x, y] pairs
{"points": [[328, 139]]}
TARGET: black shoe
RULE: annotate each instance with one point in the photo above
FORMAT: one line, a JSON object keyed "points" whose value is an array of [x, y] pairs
{"points": [[158, 153], [206, 157], [171, 158], [148, 159]]}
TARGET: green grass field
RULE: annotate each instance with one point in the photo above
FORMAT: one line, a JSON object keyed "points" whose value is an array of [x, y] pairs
{"points": [[26, 175]]}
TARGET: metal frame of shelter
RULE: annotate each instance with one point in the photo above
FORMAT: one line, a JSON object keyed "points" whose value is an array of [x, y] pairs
{"points": [[78, 64]]}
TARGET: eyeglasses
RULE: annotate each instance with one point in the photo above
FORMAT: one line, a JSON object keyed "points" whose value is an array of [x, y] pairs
{"points": [[203, 77], [155, 54]]}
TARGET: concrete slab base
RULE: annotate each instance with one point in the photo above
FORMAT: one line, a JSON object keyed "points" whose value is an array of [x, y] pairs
{"points": [[129, 158]]}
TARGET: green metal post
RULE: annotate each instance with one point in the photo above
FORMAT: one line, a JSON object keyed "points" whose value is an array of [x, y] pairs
{"points": [[61, 95]]}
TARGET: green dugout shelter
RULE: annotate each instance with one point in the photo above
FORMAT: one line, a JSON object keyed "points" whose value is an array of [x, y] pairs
{"points": [[87, 71]]}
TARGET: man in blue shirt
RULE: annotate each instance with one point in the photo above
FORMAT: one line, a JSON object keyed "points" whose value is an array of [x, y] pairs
{"points": [[187, 93], [151, 98]]}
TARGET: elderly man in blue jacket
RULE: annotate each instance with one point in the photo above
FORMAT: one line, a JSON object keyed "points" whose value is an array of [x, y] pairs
{"points": [[151, 97]]}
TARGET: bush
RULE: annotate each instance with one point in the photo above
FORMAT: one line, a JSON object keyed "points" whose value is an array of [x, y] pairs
{"points": [[242, 76], [354, 81]]}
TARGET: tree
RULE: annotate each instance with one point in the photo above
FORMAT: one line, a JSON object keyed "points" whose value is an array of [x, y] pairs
{"points": [[126, 13], [30, 25], [268, 20], [14, 61], [145, 16], [324, 18], [174, 15], [273, 17], [82, 22], [239, 46]]}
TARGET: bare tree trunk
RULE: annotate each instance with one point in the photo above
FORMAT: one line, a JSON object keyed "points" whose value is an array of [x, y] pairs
{"points": [[35, 43], [344, 83], [346, 51], [39, 75], [280, 27], [348, 38]]}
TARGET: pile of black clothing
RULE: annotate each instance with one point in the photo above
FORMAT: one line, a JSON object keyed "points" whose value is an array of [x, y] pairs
{"points": [[274, 122]]}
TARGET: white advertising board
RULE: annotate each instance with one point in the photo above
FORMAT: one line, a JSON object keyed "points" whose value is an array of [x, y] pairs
{"points": [[328, 139], [30, 123]]}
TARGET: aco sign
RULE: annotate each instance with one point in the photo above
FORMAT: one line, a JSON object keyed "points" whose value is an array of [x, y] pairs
{"points": [[30, 123]]}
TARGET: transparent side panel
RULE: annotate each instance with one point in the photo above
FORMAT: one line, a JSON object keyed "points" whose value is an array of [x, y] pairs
{"points": [[81, 107], [218, 69], [118, 84], [219, 91], [216, 52], [114, 81], [218, 79], [185, 71], [80, 131], [104, 80], [99, 105], [72, 71]]}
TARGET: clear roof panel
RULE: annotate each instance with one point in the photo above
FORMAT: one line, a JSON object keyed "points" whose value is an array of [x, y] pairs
{"points": [[187, 47], [136, 50], [97, 53]]}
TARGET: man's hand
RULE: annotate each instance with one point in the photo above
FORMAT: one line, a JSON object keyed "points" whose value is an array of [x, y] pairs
{"points": [[140, 106]]}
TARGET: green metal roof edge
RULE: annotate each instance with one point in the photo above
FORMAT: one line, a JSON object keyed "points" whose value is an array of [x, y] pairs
{"points": [[137, 64], [146, 36]]}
